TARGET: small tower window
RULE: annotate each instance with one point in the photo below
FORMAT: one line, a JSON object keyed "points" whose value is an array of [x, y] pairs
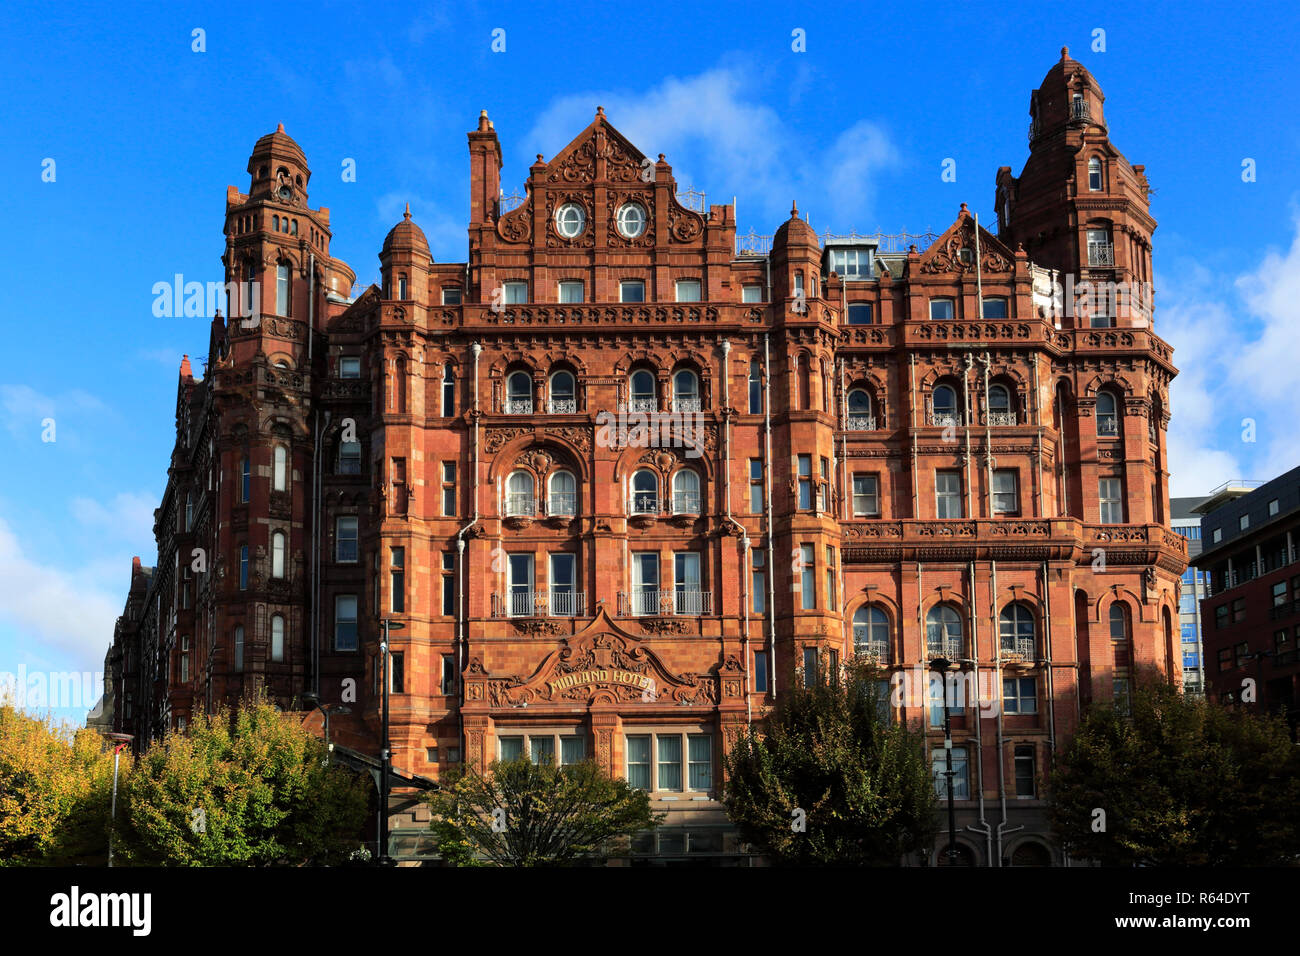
{"points": [[282, 302], [275, 223], [401, 287], [293, 227], [1094, 174]]}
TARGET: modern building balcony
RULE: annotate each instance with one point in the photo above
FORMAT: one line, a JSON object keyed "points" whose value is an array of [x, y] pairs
{"points": [[562, 602], [650, 602]]}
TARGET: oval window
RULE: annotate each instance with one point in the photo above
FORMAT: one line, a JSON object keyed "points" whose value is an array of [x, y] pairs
{"points": [[631, 220], [570, 220]]}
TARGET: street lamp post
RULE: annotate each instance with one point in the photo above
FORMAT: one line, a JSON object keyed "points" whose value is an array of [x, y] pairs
{"points": [[386, 751], [940, 666], [121, 740]]}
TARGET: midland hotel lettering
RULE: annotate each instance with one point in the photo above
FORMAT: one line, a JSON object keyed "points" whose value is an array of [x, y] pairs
{"points": [[895, 449]]}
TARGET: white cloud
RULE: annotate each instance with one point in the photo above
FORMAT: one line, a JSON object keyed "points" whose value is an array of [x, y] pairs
{"points": [[719, 136]]}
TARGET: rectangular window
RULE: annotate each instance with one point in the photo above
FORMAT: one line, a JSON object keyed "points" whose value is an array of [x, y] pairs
{"points": [[638, 762], [809, 666], [509, 748], [1218, 535], [947, 494], [995, 308], [755, 486], [541, 750], [573, 749], [349, 367], [688, 290], [239, 649], [349, 458], [807, 583], [520, 568], [447, 683], [1221, 616], [1272, 507], [448, 391], [245, 478], [516, 293], [571, 290], [760, 671], [561, 580], [645, 582], [1006, 494], [699, 759], [451, 295], [345, 622], [960, 776], [823, 484], [1243, 522], [1279, 594], [1026, 778], [397, 580], [866, 496], [448, 583], [832, 601], [805, 482], [1120, 688], [751, 293], [243, 567], [1241, 653], [755, 389], [1225, 659], [1111, 499], [185, 660], [935, 685], [669, 747], [345, 539], [396, 673], [1238, 610], [1020, 695], [688, 594], [860, 313], [850, 264], [449, 489], [758, 582], [631, 290], [941, 309]]}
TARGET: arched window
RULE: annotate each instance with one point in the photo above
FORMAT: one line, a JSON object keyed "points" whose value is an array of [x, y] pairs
{"points": [[871, 633], [1000, 410], [189, 512], [519, 494], [399, 385], [277, 554], [563, 392], [277, 637], [945, 406], [519, 394], [293, 227], [280, 473], [448, 391], [643, 392], [805, 387], [1094, 174], [755, 389], [275, 223], [239, 649], [283, 301], [943, 634], [645, 493], [402, 287], [686, 392], [563, 499], [686, 492], [1107, 419], [860, 416], [1016, 629]]}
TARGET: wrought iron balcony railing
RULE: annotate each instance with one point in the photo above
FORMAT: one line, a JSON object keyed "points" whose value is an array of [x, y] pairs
{"points": [[945, 419], [649, 602], [643, 503], [562, 406], [562, 602], [1002, 418], [517, 406], [562, 504], [861, 423], [1101, 254], [686, 503], [641, 405], [686, 405], [520, 505], [950, 649], [1020, 648]]}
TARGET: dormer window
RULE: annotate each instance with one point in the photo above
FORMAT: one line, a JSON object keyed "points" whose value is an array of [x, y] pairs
{"points": [[851, 264], [1078, 108], [860, 313], [1094, 174]]}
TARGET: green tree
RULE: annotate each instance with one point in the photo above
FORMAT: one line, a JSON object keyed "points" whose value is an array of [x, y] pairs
{"points": [[241, 789], [536, 814], [832, 780], [55, 786], [1178, 781]]}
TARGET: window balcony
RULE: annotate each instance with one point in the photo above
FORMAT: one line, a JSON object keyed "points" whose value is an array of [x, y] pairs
{"points": [[1079, 110], [687, 405], [950, 649], [874, 650], [686, 503], [643, 503], [945, 419], [862, 423], [562, 406], [1101, 254], [564, 602], [1107, 427], [649, 602], [1003, 418], [641, 405], [1020, 649], [517, 406], [520, 506], [563, 504]]}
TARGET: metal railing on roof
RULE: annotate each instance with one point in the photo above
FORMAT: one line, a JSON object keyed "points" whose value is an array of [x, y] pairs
{"points": [[898, 243]]}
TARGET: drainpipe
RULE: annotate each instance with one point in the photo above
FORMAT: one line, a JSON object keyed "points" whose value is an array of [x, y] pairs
{"points": [[311, 305], [988, 443], [983, 825], [315, 551], [845, 511], [771, 557], [1002, 785], [965, 389], [461, 570], [1038, 445], [744, 624], [911, 375], [1047, 655]]}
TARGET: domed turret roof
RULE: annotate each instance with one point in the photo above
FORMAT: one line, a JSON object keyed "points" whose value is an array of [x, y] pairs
{"points": [[794, 230], [406, 235], [1064, 68]]}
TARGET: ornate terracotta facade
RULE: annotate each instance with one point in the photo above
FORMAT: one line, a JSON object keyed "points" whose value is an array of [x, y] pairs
{"points": [[619, 477]]}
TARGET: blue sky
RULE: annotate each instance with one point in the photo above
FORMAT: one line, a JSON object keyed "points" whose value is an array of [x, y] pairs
{"points": [[146, 134]]}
